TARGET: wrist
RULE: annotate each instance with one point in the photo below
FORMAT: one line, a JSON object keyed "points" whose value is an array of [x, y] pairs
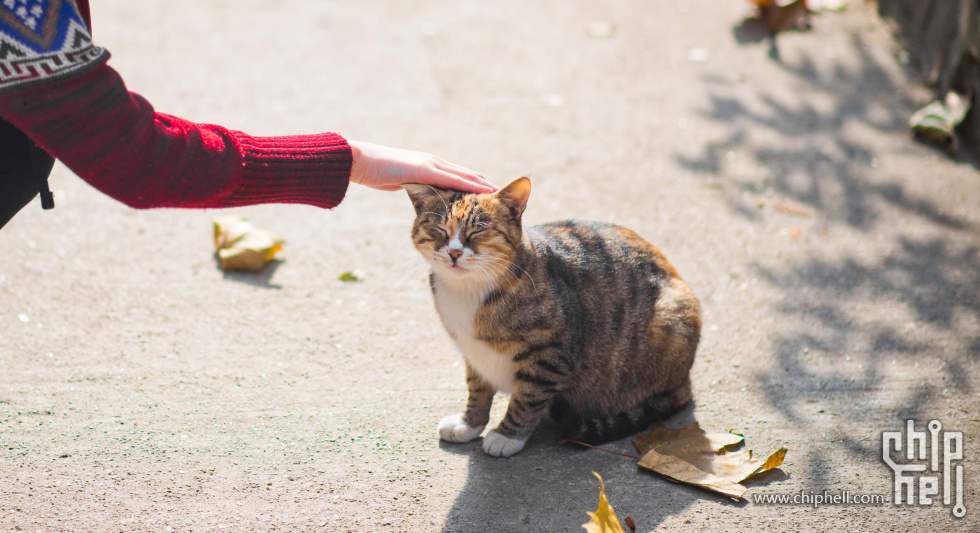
{"points": [[357, 161]]}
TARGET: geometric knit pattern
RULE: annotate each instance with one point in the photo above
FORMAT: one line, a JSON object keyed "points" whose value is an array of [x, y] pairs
{"points": [[43, 40]]}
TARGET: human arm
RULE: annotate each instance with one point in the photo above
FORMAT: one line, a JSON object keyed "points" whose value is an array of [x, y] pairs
{"points": [[117, 142]]}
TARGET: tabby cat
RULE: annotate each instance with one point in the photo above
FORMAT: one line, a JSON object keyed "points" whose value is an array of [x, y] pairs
{"points": [[582, 322]]}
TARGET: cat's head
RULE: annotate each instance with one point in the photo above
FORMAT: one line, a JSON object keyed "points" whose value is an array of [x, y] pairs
{"points": [[469, 238]]}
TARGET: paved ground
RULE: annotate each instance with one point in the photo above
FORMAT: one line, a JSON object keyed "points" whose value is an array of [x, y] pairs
{"points": [[147, 391]]}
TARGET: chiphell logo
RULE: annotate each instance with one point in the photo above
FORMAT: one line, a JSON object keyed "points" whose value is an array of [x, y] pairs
{"points": [[922, 453]]}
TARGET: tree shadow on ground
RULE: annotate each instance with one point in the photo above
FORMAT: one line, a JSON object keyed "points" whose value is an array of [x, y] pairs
{"points": [[550, 487], [830, 168], [843, 312], [852, 328]]}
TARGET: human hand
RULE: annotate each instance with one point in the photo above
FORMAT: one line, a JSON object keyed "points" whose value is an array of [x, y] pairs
{"points": [[387, 169]]}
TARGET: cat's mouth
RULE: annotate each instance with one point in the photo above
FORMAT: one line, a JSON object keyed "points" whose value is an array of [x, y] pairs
{"points": [[458, 268]]}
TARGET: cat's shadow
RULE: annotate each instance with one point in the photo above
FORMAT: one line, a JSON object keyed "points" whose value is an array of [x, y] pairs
{"points": [[550, 487]]}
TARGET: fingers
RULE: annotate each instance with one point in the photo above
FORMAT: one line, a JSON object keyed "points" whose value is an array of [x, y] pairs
{"points": [[448, 180], [386, 169], [460, 178], [465, 173]]}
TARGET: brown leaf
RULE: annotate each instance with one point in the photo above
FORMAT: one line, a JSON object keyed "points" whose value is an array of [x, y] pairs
{"points": [[736, 466], [677, 469], [690, 439], [604, 518], [242, 246], [707, 460], [792, 208], [780, 16]]}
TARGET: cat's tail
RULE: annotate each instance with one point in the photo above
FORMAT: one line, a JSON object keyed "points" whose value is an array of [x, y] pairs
{"points": [[591, 428]]}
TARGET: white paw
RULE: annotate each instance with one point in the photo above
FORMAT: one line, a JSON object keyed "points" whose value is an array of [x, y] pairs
{"points": [[454, 429], [498, 445]]}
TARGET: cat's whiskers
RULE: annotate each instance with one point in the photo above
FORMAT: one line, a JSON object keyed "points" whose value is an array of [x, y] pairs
{"points": [[461, 280], [407, 266], [406, 270], [498, 269], [493, 271], [509, 263], [491, 282], [497, 266]]}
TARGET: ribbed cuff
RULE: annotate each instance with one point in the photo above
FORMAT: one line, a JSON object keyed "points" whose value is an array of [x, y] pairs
{"points": [[296, 169]]}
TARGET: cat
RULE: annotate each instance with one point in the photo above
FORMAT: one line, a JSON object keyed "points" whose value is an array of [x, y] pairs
{"points": [[584, 323]]}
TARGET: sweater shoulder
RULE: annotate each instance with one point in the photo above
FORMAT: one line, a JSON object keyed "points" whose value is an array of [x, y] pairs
{"points": [[42, 41]]}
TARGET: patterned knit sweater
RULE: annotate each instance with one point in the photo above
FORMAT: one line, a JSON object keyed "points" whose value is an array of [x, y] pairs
{"points": [[56, 87]]}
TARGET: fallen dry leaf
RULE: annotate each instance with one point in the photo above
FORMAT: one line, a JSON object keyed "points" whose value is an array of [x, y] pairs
{"points": [[691, 439], [242, 246], [737, 466], [792, 208], [773, 461], [604, 518], [782, 15], [679, 470], [706, 460]]}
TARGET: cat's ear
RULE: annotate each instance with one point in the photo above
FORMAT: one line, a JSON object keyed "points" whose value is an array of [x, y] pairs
{"points": [[516, 193], [420, 194]]}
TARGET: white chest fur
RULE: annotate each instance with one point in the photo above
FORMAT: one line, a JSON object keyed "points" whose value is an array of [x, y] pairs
{"points": [[457, 309]]}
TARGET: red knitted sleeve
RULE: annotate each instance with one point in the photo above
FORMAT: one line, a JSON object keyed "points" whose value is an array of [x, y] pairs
{"points": [[114, 140]]}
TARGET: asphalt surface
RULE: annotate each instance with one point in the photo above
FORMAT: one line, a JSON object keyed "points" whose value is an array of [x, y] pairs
{"points": [[837, 262]]}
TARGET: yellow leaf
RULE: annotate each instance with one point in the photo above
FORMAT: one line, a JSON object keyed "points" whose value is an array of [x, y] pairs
{"points": [[242, 246], [773, 461], [604, 518]]}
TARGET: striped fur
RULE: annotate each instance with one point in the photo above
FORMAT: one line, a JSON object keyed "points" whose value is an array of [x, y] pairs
{"points": [[581, 322]]}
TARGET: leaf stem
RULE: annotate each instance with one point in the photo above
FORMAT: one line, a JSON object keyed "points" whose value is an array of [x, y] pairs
{"points": [[564, 441]]}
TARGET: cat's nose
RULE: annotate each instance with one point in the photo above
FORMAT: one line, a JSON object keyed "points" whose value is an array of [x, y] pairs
{"points": [[454, 255]]}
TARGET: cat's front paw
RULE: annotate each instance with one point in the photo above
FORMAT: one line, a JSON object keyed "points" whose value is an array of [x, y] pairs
{"points": [[454, 429], [497, 445]]}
